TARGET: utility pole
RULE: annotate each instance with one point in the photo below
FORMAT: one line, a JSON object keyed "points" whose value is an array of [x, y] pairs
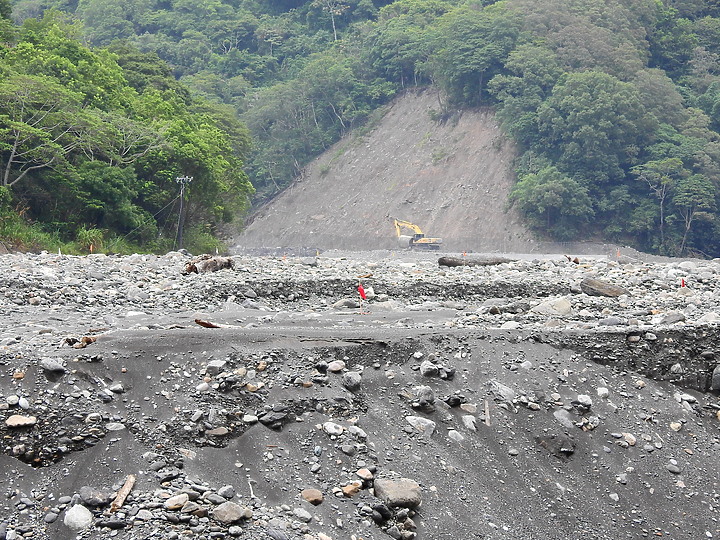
{"points": [[183, 181]]}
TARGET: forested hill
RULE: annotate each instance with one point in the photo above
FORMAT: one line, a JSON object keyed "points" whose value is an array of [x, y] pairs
{"points": [[93, 142], [612, 103]]}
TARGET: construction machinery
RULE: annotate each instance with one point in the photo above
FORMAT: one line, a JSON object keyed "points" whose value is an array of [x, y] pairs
{"points": [[417, 240]]}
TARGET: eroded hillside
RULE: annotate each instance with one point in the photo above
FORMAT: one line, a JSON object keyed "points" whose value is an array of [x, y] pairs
{"points": [[450, 177]]}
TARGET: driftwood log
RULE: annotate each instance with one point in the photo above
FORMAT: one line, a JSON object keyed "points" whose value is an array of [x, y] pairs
{"points": [[123, 493], [596, 287], [464, 261]]}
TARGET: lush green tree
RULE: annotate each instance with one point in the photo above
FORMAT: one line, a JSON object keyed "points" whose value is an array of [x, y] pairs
{"points": [[695, 144], [614, 29], [671, 143], [214, 87], [672, 42], [225, 118], [50, 47], [120, 141], [7, 33], [105, 21], [39, 125], [661, 177], [235, 32], [334, 9], [365, 9], [5, 9], [534, 70], [254, 68], [198, 148], [471, 47], [704, 69], [583, 46], [424, 9], [709, 102], [553, 202], [593, 123], [143, 70], [106, 197], [641, 224], [399, 45], [660, 97], [82, 149], [691, 8], [612, 209], [707, 30], [694, 199]]}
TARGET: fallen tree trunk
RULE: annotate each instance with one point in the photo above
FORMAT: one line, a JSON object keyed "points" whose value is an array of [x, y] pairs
{"points": [[457, 261], [123, 493]]}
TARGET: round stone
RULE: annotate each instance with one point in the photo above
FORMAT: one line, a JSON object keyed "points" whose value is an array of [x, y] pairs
{"points": [[331, 428], [336, 366], [78, 517], [303, 515]]}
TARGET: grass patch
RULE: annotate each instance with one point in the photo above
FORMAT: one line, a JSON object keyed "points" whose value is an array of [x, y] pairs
{"points": [[18, 235], [438, 155]]}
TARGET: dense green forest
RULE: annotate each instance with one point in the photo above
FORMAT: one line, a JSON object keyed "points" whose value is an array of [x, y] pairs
{"points": [[614, 105], [93, 142]]}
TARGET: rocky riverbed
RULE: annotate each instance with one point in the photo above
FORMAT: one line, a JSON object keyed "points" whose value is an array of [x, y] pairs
{"points": [[534, 398]]}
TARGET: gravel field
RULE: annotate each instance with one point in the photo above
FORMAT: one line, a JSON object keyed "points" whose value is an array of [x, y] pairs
{"points": [[512, 398]]}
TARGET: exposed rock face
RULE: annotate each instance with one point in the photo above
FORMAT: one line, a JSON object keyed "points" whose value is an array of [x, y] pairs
{"points": [[410, 157]]}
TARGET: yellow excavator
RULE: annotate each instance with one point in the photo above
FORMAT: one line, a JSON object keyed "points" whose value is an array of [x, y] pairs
{"points": [[417, 240]]}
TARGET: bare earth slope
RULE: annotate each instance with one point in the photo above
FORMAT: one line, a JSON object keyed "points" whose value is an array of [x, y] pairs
{"points": [[450, 178]]}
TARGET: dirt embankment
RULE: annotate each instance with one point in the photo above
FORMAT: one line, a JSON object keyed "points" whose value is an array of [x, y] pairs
{"points": [[450, 177]]}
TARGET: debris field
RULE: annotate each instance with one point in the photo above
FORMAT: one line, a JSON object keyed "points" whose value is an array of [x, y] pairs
{"points": [[261, 397]]}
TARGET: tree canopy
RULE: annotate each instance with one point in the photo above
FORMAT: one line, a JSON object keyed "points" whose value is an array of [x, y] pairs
{"points": [[601, 97], [80, 148]]}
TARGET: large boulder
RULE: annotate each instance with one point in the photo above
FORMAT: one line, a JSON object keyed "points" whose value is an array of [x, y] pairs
{"points": [[555, 307], [78, 517], [229, 512], [596, 287], [398, 493]]}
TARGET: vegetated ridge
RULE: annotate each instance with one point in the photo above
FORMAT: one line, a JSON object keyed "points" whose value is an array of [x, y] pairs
{"points": [[451, 177], [612, 107]]}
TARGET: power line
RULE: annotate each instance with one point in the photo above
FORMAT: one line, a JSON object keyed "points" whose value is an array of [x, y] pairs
{"points": [[183, 181], [153, 217]]}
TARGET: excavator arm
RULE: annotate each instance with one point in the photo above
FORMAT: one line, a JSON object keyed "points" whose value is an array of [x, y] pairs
{"points": [[400, 223]]}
